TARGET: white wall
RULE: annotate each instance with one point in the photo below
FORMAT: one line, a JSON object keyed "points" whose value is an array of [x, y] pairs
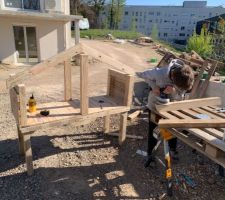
{"points": [[50, 38], [216, 89]]}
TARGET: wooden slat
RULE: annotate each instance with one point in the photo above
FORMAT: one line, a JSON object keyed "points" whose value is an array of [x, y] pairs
{"points": [[67, 81], [220, 160], [123, 128], [192, 123], [197, 81], [179, 105], [14, 100], [22, 104], [129, 85], [84, 99], [206, 82], [106, 124]]}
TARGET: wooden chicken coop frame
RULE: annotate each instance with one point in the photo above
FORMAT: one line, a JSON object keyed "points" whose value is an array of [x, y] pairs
{"points": [[116, 101]]}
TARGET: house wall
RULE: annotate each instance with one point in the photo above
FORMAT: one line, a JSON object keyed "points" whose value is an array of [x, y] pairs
{"points": [[216, 89], [50, 38]]}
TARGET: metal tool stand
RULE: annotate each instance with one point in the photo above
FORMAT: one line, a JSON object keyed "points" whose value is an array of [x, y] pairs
{"points": [[154, 140]]}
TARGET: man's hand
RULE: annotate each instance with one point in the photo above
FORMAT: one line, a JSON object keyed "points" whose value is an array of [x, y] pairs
{"points": [[156, 91], [169, 89]]}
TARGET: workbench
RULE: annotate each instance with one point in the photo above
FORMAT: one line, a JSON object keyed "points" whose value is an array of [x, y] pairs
{"points": [[78, 111], [200, 123]]}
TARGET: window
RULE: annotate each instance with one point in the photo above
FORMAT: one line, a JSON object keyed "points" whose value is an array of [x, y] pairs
{"points": [[140, 13], [182, 28], [126, 13], [23, 4], [136, 13], [151, 13], [165, 34], [159, 34], [150, 20], [173, 22], [158, 13], [192, 15], [182, 34]]}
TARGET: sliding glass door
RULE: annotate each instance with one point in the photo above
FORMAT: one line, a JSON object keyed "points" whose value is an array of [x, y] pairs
{"points": [[23, 4], [26, 44]]}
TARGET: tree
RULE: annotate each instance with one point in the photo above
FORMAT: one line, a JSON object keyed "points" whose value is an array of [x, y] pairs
{"points": [[202, 43], [154, 32], [115, 12]]}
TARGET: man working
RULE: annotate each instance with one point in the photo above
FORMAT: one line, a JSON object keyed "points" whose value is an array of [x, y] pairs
{"points": [[166, 84]]}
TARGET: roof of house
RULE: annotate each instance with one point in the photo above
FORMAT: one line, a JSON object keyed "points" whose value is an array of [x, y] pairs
{"points": [[39, 15]]}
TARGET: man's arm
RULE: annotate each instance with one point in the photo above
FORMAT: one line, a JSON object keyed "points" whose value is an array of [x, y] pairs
{"points": [[149, 76]]}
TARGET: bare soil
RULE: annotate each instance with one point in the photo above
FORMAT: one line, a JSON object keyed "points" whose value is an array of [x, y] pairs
{"points": [[83, 163]]}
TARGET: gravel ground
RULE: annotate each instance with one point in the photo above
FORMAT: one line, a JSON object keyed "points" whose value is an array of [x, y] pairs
{"points": [[82, 163]]}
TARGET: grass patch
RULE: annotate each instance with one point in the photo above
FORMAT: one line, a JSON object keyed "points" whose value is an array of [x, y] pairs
{"points": [[102, 33]]}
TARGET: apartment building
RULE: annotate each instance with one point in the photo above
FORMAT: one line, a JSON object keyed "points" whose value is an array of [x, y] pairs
{"points": [[34, 30], [174, 23]]}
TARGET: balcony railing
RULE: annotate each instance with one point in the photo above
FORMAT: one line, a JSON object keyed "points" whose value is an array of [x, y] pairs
{"points": [[33, 5]]}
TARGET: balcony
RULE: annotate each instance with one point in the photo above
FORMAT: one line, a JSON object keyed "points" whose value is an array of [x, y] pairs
{"points": [[46, 6]]}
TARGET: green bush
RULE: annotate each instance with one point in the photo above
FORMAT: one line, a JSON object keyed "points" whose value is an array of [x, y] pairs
{"points": [[201, 44], [102, 33]]}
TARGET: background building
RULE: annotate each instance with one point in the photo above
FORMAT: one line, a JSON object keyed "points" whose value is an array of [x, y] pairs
{"points": [[174, 23]]}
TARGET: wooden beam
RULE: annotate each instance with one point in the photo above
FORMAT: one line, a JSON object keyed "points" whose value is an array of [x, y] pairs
{"points": [[67, 81], [22, 105], [123, 128], [129, 85], [197, 81], [28, 154], [179, 105], [106, 124], [192, 123], [84, 100]]}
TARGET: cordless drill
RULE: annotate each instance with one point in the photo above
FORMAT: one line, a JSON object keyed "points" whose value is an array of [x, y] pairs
{"points": [[163, 98]]}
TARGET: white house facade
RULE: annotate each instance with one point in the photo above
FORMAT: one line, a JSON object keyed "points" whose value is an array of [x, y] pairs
{"points": [[34, 30], [174, 23]]}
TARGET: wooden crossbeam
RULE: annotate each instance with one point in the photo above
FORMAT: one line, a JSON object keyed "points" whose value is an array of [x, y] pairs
{"points": [[179, 105], [192, 123]]}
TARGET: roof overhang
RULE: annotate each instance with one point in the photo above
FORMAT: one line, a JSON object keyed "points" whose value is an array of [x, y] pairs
{"points": [[39, 15]]}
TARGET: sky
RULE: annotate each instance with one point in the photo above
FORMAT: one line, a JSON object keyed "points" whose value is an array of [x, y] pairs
{"points": [[171, 2]]}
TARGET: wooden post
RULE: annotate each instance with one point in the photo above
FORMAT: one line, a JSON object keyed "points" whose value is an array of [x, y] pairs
{"points": [[21, 141], [22, 105], [28, 154], [106, 123], [67, 81], [84, 100], [128, 90], [77, 32], [123, 128]]}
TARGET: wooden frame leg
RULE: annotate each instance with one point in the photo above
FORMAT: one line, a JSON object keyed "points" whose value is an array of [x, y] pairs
{"points": [[28, 154], [106, 124], [123, 128], [21, 141]]}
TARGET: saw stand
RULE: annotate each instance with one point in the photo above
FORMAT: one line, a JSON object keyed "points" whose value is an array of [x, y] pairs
{"points": [[162, 136]]}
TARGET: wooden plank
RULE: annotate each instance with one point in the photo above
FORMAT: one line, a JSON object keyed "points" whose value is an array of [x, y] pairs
{"points": [[134, 114], [129, 85], [28, 154], [127, 136], [77, 119], [179, 105], [123, 128], [196, 55], [106, 124], [67, 81], [196, 85], [22, 105], [219, 160], [14, 100], [84, 99], [206, 82], [192, 123], [21, 141], [213, 151], [211, 131]]}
